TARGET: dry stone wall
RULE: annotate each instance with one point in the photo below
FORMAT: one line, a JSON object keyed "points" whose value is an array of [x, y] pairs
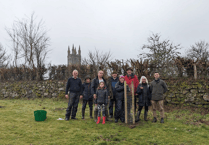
{"points": [[181, 93]]}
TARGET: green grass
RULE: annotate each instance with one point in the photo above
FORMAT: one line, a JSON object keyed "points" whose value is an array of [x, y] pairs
{"points": [[18, 126]]}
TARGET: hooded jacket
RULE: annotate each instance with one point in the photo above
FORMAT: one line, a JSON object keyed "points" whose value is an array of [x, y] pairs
{"points": [[102, 96]]}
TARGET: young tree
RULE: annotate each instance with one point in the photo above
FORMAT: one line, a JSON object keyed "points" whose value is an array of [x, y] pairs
{"points": [[30, 43], [161, 54]]}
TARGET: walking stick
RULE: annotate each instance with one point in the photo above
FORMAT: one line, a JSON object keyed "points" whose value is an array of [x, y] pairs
{"points": [[125, 98], [133, 103]]}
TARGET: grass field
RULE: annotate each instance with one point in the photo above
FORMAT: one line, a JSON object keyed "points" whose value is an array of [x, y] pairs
{"points": [[17, 126]]}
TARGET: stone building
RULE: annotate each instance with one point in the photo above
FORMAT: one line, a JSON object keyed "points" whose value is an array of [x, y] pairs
{"points": [[74, 57]]}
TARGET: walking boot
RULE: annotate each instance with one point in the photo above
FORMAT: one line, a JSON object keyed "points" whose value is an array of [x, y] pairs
{"points": [[145, 116], [83, 114], [154, 120], [138, 116], [98, 120], [91, 114], [116, 120], [162, 120], [67, 118], [103, 119]]}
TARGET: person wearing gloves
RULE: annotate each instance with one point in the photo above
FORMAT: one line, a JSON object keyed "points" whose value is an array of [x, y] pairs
{"points": [[119, 109], [87, 97], [144, 95], [101, 101], [74, 84]]}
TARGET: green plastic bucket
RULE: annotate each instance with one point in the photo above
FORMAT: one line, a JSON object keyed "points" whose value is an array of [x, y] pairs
{"points": [[40, 115]]}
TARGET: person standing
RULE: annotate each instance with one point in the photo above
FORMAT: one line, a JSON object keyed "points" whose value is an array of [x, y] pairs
{"points": [[111, 85], [158, 87], [101, 101], [87, 97], [129, 78], [144, 95], [74, 85], [119, 109], [94, 85]]}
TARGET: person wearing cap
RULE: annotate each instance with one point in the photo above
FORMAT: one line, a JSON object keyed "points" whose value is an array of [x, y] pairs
{"points": [[87, 97], [144, 95], [94, 85], [119, 109], [130, 76], [112, 92], [74, 85]]}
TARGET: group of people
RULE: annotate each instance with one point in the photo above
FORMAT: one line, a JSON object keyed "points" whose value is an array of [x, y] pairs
{"points": [[99, 90]]}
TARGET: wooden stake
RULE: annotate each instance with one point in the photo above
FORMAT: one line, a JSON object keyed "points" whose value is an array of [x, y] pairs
{"points": [[125, 98], [132, 86]]}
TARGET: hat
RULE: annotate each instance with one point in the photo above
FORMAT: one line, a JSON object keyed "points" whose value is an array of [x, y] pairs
{"points": [[129, 68], [121, 76], [114, 72], [87, 77]]}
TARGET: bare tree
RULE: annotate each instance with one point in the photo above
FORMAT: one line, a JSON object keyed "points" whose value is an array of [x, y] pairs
{"points": [[98, 60], [4, 59], [199, 52], [30, 43], [160, 53]]}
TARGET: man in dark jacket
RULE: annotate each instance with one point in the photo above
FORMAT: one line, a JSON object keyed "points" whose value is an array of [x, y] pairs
{"points": [[111, 85], [94, 85], [74, 84], [158, 87], [119, 109], [87, 97]]}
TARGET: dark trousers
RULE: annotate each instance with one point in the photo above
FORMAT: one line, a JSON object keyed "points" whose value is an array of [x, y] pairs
{"points": [[119, 110], [112, 101], [90, 102], [72, 105], [140, 108]]}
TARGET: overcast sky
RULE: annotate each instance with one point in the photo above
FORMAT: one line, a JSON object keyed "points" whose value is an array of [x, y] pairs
{"points": [[121, 26]]}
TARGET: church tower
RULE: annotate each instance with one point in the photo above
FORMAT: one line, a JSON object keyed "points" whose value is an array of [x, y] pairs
{"points": [[74, 58]]}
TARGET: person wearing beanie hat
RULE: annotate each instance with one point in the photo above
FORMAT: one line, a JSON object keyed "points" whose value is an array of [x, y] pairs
{"points": [[112, 92], [87, 97], [119, 109], [144, 95]]}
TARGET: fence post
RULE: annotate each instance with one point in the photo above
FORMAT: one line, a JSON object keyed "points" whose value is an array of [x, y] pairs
{"points": [[125, 98], [133, 101], [195, 71]]}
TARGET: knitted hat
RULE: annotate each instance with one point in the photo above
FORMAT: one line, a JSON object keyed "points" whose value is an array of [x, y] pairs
{"points": [[129, 68], [87, 77]]}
